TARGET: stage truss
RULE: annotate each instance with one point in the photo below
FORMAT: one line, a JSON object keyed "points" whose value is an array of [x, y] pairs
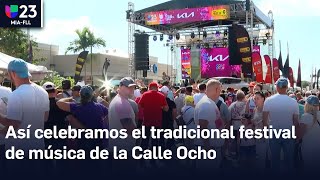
{"points": [[261, 31]]}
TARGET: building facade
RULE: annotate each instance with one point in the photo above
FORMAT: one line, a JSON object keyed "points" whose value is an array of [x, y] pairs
{"points": [[65, 65]]}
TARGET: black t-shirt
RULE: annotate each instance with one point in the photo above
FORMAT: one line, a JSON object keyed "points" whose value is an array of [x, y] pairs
{"points": [[167, 116], [56, 116]]}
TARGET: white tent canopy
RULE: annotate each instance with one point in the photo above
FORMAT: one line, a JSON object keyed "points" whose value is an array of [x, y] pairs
{"points": [[37, 72]]}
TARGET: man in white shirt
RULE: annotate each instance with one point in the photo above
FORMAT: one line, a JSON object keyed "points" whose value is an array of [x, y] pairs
{"points": [[198, 96], [4, 94], [27, 106], [281, 112], [207, 116]]}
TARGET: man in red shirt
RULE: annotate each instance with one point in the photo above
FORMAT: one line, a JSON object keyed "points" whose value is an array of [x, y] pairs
{"points": [[152, 103]]}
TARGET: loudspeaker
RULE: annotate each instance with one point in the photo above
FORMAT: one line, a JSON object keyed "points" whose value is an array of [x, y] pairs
{"points": [[144, 73], [141, 54]]}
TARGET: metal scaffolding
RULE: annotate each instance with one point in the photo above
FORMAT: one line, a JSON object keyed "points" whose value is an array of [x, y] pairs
{"points": [[239, 14], [131, 48]]}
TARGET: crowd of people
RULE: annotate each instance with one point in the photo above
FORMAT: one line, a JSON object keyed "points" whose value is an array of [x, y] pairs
{"points": [[164, 106]]}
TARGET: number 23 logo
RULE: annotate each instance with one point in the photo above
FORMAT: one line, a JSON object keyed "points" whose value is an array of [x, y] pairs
{"points": [[33, 12]]}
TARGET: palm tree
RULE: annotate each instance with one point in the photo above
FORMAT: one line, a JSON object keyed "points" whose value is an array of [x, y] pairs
{"points": [[86, 39]]}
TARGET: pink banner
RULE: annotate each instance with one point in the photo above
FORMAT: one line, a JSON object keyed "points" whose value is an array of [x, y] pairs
{"points": [[215, 63], [186, 63], [188, 15], [268, 63]]}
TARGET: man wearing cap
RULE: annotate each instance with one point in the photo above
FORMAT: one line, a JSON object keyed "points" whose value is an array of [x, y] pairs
{"points": [[152, 103], [281, 112], [4, 95], [122, 116], [310, 129], [86, 115], [27, 105], [168, 117], [89, 114], [56, 118]]}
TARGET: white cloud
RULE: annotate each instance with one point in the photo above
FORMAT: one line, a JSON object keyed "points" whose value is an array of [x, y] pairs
{"points": [[290, 7], [57, 29]]}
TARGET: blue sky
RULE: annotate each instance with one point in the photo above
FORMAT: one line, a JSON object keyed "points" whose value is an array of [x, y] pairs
{"points": [[296, 22]]}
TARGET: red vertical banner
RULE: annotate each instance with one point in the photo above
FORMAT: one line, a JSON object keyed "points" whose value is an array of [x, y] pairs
{"points": [[186, 63], [276, 70], [268, 63], [257, 66], [291, 79]]}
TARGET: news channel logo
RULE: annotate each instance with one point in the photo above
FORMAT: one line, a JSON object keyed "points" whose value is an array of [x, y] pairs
{"points": [[17, 13]]}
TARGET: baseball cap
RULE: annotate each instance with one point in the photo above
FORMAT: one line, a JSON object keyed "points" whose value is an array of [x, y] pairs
{"points": [[127, 82], [86, 91], [189, 100], [252, 84], [282, 82], [153, 84], [165, 89], [20, 67], [48, 86], [76, 88], [313, 100]]}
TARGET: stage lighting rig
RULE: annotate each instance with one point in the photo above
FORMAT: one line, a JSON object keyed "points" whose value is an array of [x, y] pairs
{"points": [[161, 37], [225, 34], [177, 36]]}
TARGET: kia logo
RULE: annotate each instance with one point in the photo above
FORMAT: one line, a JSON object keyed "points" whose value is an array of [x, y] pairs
{"points": [[218, 58], [185, 15]]}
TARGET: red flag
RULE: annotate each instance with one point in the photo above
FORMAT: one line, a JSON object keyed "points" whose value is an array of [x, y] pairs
{"points": [[291, 77], [299, 75], [268, 63], [257, 66], [276, 70]]}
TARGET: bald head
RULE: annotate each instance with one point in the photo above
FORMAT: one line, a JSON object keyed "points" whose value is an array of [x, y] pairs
{"points": [[213, 89]]}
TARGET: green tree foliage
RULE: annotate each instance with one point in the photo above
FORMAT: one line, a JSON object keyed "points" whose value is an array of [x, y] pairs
{"points": [[14, 42], [304, 84], [56, 79]]}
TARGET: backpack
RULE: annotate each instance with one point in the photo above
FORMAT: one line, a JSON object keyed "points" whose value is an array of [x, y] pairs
{"points": [[180, 121], [66, 93], [219, 104]]}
